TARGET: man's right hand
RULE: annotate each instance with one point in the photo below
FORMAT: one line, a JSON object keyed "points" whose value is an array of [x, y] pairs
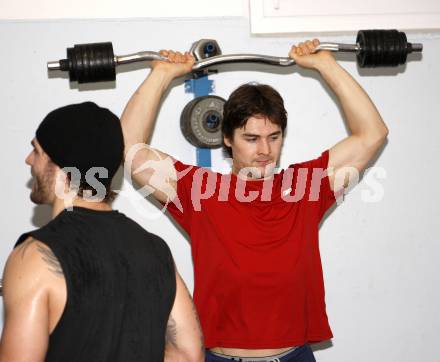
{"points": [[178, 64]]}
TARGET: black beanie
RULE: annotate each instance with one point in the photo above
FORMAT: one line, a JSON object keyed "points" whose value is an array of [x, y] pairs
{"points": [[83, 135]]}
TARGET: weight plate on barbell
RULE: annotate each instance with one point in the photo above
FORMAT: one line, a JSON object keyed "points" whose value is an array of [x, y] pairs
{"points": [[93, 62], [201, 121], [381, 48]]}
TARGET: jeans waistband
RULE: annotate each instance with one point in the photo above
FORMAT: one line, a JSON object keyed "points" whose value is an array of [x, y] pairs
{"points": [[273, 358]]}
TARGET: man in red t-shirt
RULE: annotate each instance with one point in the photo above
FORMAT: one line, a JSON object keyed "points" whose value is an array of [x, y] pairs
{"points": [[258, 280]]}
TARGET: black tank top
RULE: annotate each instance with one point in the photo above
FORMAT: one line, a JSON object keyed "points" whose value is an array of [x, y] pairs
{"points": [[120, 287]]}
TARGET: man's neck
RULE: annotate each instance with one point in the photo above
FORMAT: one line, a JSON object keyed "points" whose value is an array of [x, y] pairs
{"points": [[59, 205]]}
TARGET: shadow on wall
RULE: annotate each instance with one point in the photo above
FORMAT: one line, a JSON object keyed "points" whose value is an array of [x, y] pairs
{"points": [[42, 215], [85, 87]]}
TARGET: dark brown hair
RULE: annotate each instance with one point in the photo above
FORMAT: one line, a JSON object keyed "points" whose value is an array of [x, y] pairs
{"points": [[252, 100], [110, 195], [84, 186]]}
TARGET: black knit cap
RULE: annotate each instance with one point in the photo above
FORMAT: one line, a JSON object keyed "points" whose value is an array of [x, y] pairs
{"points": [[83, 135]]}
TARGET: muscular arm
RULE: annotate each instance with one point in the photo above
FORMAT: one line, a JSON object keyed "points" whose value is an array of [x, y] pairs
{"points": [[367, 129], [29, 272], [138, 122], [184, 339]]}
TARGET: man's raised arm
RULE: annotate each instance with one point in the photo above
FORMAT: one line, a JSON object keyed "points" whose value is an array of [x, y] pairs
{"points": [[140, 113], [368, 131]]}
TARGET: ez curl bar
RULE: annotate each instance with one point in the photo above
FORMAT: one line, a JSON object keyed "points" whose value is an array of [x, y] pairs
{"points": [[96, 62]]}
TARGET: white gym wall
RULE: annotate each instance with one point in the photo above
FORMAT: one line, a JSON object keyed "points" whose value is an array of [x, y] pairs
{"points": [[108, 9], [379, 258]]}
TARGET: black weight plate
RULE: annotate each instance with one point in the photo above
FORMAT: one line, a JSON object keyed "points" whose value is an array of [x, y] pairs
{"points": [[381, 48], [200, 121], [93, 62]]}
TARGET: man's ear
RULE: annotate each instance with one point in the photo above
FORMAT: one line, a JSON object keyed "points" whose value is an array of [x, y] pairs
{"points": [[227, 141]]}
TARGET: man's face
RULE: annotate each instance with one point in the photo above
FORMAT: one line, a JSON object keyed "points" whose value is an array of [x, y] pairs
{"points": [[257, 145], [43, 171]]}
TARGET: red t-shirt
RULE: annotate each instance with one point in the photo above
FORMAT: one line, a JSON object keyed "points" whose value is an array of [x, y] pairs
{"points": [[257, 270]]}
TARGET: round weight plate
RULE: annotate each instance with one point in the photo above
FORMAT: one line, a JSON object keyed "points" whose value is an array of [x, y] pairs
{"points": [[201, 121], [381, 48], [93, 62]]}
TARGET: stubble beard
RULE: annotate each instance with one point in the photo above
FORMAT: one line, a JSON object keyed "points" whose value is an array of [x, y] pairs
{"points": [[41, 187]]}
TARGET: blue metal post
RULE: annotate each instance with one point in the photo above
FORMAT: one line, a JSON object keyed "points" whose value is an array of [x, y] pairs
{"points": [[201, 86]]}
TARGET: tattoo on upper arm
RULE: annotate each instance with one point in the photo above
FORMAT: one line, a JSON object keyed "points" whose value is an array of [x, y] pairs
{"points": [[51, 260], [48, 256], [196, 315], [23, 247], [171, 333]]}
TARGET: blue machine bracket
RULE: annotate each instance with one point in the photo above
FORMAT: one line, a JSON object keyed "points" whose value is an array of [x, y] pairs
{"points": [[200, 86]]}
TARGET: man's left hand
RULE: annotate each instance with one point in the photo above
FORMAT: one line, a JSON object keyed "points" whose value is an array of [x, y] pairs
{"points": [[305, 56]]}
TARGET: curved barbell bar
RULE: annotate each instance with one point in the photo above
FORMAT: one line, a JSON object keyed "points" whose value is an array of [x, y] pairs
{"points": [[96, 62], [222, 59]]}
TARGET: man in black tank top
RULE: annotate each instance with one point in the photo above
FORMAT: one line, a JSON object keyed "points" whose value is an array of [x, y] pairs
{"points": [[91, 285]]}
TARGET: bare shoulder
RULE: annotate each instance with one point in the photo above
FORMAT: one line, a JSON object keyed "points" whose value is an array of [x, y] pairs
{"points": [[34, 253], [31, 312], [30, 268]]}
